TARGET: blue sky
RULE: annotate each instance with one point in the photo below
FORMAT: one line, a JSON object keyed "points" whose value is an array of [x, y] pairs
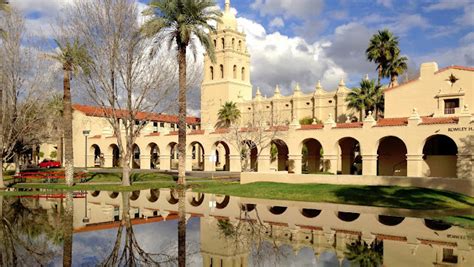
{"points": [[305, 41]]}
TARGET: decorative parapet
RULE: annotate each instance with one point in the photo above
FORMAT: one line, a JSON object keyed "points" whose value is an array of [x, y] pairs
{"points": [[414, 119], [329, 123], [369, 120]]}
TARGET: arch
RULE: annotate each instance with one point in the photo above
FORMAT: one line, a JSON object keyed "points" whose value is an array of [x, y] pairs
{"points": [[390, 220], [311, 150], [113, 195], [277, 210], [247, 207], [233, 43], [440, 155], [223, 203], [392, 159], [222, 152], [242, 73], [115, 152], [196, 202], [310, 213], [211, 69], [240, 45], [223, 43], [95, 193], [279, 155], [136, 153], [154, 155], [135, 195], [436, 225], [153, 195], [234, 72], [222, 71], [196, 150], [350, 156], [174, 155], [347, 216], [173, 198], [249, 155], [215, 43], [98, 155]]}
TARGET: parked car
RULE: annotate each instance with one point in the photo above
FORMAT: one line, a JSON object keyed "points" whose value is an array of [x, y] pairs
{"points": [[50, 164]]}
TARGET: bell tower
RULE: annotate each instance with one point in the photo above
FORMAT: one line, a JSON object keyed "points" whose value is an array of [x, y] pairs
{"points": [[228, 79]]}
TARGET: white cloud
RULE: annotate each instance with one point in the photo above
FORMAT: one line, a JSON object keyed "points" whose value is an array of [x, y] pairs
{"points": [[276, 23], [447, 4], [289, 8], [468, 38], [280, 59]]}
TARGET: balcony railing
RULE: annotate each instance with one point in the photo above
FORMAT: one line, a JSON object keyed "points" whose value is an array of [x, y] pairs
{"points": [[449, 110]]}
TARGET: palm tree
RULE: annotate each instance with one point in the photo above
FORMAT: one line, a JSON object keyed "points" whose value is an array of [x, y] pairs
{"points": [[383, 46], [73, 57], [182, 21], [368, 97], [394, 68], [227, 115], [361, 254], [55, 108]]}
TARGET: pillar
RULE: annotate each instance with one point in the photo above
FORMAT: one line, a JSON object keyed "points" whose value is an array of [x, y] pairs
{"points": [[330, 163], [369, 164], [414, 165], [165, 162], [108, 161], [295, 164], [209, 165], [263, 163], [145, 162], [206, 259], [234, 161], [189, 162]]}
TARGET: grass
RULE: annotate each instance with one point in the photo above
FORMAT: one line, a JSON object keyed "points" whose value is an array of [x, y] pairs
{"points": [[379, 196]]}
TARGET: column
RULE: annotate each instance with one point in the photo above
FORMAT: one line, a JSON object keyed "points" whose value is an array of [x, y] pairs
{"points": [[165, 162], [206, 259], [414, 165], [264, 163], [189, 162], [234, 161], [330, 163], [369, 164], [145, 162], [108, 160], [295, 164], [209, 165]]}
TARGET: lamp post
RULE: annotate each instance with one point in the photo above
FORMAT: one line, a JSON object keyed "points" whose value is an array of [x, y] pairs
{"points": [[85, 219], [86, 134]]}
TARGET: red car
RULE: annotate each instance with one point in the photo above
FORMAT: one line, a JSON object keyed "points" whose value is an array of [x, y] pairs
{"points": [[50, 164]]}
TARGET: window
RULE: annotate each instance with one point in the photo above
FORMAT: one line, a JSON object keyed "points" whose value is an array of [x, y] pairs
{"points": [[212, 73], [222, 71], [243, 74], [448, 256], [235, 72], [194, 152], [172, 125], [155, 126], [137, 122], [450, 105], [240, 45], [233, 43], [223, 43], [215, 43], [162, 124]]}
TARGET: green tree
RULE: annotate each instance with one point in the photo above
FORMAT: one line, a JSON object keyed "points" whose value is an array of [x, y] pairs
{"points": [[383, 46], [395, 67], [227, 115], [363, 255], [309, 121], [367, 97], [182, 21], [3, 8], [73, 57]]}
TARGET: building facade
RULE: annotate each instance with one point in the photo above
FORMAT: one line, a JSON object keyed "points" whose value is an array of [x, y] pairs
{"points": [[427, 131]]}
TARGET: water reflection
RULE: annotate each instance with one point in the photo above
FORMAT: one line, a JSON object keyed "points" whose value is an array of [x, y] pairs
{"points": [[174, 227]]}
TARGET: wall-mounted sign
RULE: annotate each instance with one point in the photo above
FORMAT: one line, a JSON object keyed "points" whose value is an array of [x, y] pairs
{"points": [[461, 129]]}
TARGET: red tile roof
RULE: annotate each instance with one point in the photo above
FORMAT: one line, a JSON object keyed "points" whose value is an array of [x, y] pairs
{"points": [[196, 132], [221, 131], [95, 137], [436, 242], [391, 237], [439, 71], [103, 112], [311, 127], [310, 227], [442, 120], [153, 134], [350, 125], [392, 122], [173, 133], [280, 128]]}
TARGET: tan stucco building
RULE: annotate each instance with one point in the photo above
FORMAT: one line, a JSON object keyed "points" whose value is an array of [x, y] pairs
{"points": [[427, 130]]}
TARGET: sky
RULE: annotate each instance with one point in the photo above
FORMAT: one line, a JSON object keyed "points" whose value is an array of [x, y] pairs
{"points": [[303, 41]]}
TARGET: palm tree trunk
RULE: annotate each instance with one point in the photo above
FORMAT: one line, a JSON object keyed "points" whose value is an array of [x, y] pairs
{"points": [[181, 227], [361, 116], [379, 78], [60, 149], [182, 116], [68, 229], [2, 184], [393, 80], [67, 128]]}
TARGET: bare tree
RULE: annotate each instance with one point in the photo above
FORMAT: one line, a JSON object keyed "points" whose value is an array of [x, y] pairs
{"points": [[252, 137], [22, 82], [125, 79]]}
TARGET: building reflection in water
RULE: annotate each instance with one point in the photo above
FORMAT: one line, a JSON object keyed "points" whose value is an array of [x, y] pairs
{"points": [[139, 228]]}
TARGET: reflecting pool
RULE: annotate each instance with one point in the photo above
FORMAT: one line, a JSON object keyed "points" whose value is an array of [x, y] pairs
{"points": [[167, 227]]}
